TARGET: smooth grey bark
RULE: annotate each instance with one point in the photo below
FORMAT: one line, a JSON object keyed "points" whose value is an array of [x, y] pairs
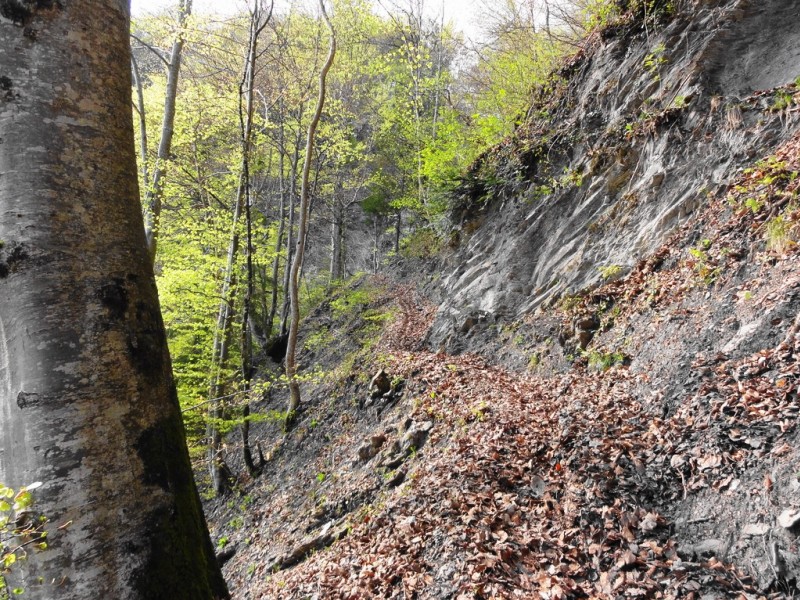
{"points": [[294, 323], [87, 401], [154, 194]]}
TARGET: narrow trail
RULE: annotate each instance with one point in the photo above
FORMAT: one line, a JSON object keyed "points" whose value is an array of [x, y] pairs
{"points": [[527, 487]]}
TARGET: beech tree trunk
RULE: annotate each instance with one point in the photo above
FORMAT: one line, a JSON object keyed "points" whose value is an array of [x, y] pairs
{"points": [[87, 401]]}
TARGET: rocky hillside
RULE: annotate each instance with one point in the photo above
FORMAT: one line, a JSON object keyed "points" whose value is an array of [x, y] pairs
{"points": [[631, 138], [593, 391]]}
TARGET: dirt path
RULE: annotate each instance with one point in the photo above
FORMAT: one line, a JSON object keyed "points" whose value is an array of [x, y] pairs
{"points": [[557, 487]]}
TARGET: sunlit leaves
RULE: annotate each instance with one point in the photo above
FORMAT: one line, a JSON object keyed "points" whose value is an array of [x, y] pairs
{"points": [[17, 529]]}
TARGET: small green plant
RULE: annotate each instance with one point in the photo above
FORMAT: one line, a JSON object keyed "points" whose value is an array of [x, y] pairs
{"points": [[608, 272], [236, 523], [478, 411], [251, 569], [781, 101], [703, 265], [680, 102], [222, 542], [321, 477], [603, 361], [534, 361], [754, 204], [654, 61], [570, 302], [570, 178], [779, 235]]}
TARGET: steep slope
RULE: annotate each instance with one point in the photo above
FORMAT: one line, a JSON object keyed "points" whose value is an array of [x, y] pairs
{"points": [[622, 148], [606, 401]]}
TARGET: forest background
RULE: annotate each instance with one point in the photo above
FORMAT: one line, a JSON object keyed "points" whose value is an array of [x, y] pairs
{"points": [[222, 103]]}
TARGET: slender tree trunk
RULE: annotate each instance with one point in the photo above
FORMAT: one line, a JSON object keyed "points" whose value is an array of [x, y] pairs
{"points": [[154, 194], [290, 236], [377, 243], [137, 82], [336, 270], [222, 335], [87, 401], [246, 121], [546, 19], [398, 223], [276, 263], [291, 349]]}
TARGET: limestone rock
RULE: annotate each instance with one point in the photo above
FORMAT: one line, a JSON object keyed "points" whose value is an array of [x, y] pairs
{"points": [[789, 518], [416, 436], [380, 384]]}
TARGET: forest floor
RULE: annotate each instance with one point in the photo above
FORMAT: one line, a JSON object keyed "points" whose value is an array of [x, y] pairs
{"points": [[646, 473]]}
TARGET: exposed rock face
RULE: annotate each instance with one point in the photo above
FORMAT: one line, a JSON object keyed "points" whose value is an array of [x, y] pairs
{"points": [[651, 122]]}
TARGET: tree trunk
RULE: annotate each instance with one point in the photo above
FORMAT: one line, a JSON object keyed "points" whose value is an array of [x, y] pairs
{"points": [[290, 235], [279, 238], [137, 82], [154, 194], [246, 120], [398, 223], [222, 336], [337, 236], [87, 401], [291, 348]]}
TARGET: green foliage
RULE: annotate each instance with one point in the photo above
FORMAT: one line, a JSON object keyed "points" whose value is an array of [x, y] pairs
{"points": [[609, 272], [680, 102], [423, 243], [781, 100], [319, 339], [754, 204], [600, 13], [654, 60], [20, 528], [603, 361], [705, 267], [780, 233], [350, 300]]}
